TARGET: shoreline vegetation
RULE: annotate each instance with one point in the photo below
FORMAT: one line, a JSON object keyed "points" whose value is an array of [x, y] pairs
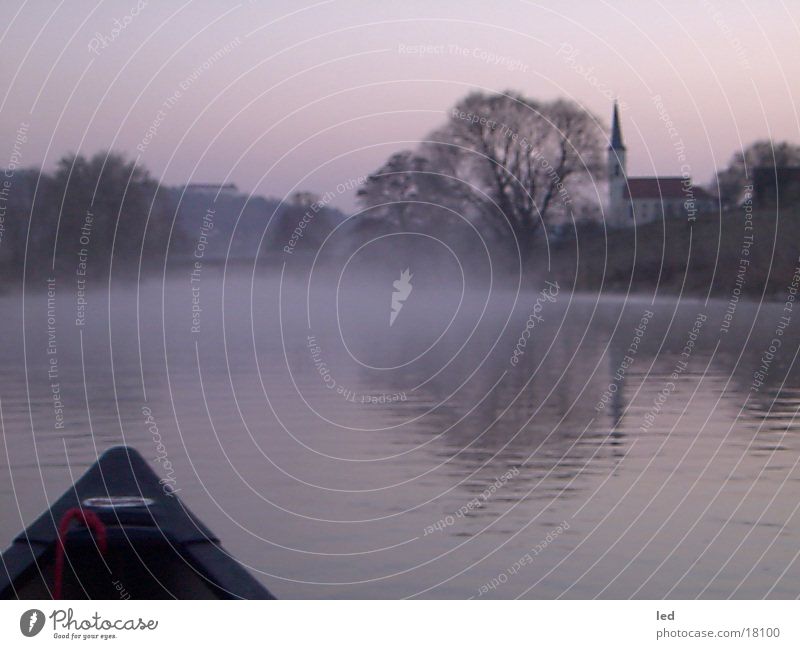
{"points": [[753, 255], [508, 182], [720, 256]]}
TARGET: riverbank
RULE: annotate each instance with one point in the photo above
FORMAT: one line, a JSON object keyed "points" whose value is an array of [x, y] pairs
{"points": [[754, 254]]}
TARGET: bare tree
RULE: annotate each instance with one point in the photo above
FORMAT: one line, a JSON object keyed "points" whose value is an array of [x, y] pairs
{"points": [[526, 155], [509, 161]]}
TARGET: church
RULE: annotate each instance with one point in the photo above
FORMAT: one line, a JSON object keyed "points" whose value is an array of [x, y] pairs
{"points": [[644, 199]]}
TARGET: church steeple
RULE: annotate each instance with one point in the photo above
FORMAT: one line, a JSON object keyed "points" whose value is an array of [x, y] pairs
{"points": [[616, 132], [617, 182]]}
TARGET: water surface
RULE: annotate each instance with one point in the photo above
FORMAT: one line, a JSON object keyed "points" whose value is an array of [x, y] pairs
{"points": [[338, 456]]}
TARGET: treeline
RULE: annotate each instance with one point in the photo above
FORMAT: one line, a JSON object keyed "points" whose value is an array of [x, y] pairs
{"points": [[102, 213], [86, 211], [518, 175], [512, 166], [507, 164], [501, 172]]}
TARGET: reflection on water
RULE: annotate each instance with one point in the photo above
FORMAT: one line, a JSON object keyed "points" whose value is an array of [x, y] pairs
{"points": [[624, 454]]}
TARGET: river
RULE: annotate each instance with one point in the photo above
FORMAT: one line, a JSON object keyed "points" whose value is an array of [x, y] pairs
{"points": [[486, 444]]}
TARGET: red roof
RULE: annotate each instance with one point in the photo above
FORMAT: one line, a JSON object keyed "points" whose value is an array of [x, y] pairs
{"points": [[655, 187], [664, 187]]}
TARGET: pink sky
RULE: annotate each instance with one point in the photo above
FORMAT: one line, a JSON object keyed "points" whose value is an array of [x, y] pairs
{"points": [[276, 96]]}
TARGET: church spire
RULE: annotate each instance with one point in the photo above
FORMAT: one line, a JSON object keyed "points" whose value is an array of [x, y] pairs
{"points": [[616, 132], [618, 201]]}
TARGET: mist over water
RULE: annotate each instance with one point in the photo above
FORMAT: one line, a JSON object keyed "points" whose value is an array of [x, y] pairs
{"points": [[492, 441]]}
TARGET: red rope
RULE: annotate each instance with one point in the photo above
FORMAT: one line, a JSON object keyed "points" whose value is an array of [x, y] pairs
{"points": [[90, 520]]}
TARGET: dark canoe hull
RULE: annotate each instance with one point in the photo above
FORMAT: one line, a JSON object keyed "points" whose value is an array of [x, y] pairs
{"points": [[156, 550]]}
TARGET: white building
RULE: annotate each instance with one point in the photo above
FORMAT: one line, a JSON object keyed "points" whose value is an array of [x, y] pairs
{"points": [[652, 198]]}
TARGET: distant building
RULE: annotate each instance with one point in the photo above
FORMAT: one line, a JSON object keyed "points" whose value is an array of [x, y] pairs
{"points": [[648, 198], [212, 188], [304, 199]]}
